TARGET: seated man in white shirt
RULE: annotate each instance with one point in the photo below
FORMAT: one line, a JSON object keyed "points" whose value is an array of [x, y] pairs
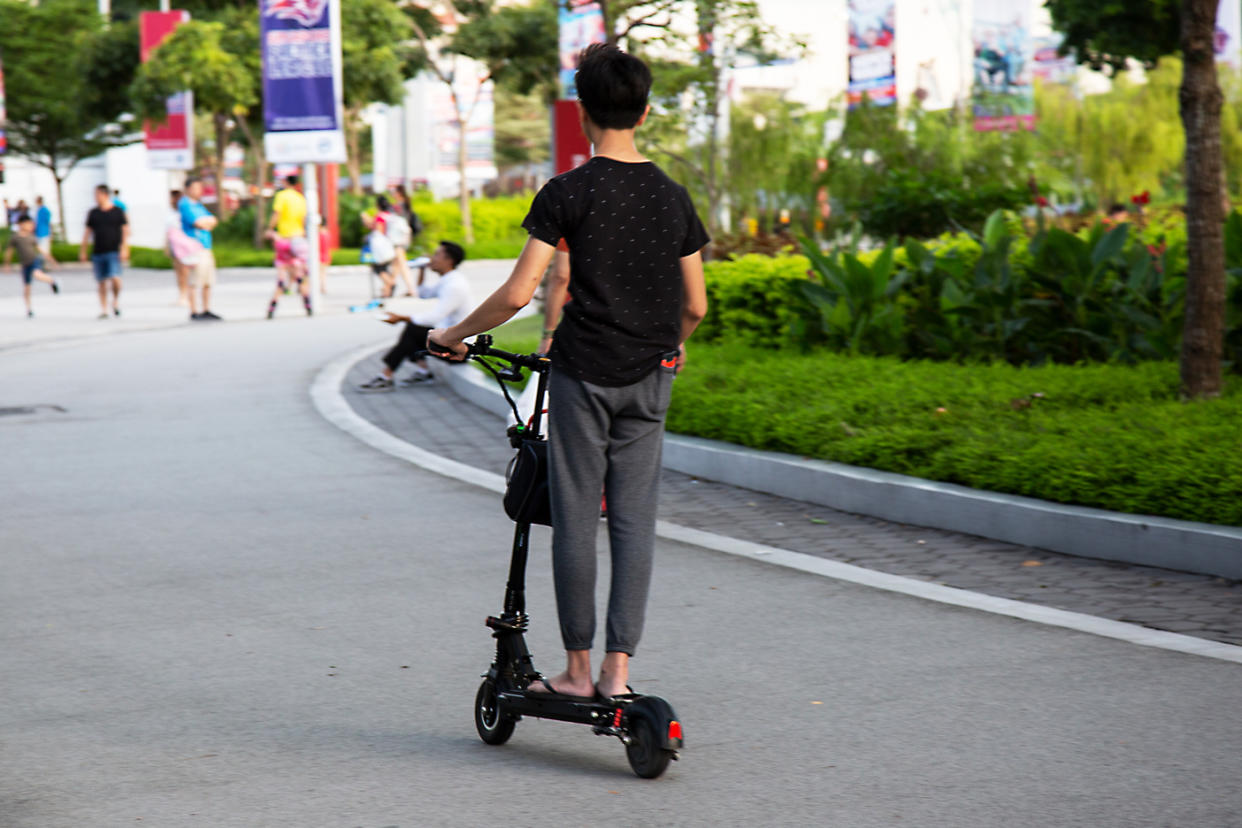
{"points": [[452, 296]]}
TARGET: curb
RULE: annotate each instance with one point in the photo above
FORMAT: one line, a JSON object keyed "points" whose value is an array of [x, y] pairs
{"points": [[1203, 548]]}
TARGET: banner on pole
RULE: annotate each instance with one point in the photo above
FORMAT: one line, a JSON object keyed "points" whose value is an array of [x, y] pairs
{"points": [[873, 52], [1003, 95], [1048, 65], [581, 24], [301, 50], [170, 146]]}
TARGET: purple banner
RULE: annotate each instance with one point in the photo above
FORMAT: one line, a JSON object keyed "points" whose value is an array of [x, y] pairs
{"points": [[298, 63]]}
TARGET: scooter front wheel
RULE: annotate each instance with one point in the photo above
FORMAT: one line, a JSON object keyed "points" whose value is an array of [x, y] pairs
{"points": [[494, 726]]}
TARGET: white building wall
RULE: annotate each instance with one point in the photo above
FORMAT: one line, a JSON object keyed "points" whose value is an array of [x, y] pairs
{"points": [[144, 191]]}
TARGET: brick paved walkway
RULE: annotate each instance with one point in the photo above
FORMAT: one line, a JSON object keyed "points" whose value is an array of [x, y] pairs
{"points": [[434, 418]]}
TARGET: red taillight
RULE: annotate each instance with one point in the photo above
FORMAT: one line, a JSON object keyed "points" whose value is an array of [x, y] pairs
{"points": [[674, 730]]}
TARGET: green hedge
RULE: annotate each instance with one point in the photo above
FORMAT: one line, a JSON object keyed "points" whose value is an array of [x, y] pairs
{"points": [[1109, 436], [1024, 295], [497, 223], [227, 255]]}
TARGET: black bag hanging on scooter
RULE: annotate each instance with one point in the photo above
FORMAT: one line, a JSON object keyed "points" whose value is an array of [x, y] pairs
{"points": [[527, 498]]}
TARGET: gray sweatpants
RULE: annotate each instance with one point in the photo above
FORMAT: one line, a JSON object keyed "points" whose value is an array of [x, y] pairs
{"points": [[604, 438]]}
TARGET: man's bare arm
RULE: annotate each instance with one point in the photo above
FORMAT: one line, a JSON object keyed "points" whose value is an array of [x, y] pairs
{"points": [[554, 298], [693, 299]]}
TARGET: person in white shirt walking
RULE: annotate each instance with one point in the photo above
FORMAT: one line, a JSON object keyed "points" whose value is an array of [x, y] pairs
{"points": [[452, 296]]}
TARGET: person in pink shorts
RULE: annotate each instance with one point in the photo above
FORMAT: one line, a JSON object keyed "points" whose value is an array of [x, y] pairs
{"points": [[290, 270]]}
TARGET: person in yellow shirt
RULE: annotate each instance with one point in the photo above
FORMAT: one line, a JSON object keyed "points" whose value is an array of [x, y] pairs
{"points": [[289, 211]]}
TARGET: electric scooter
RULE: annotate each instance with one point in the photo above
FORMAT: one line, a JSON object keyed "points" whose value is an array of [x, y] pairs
{"points": [[646, 725]]}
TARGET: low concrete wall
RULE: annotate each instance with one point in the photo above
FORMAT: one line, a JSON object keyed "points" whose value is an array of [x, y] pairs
{"points": [[1074, 530]]}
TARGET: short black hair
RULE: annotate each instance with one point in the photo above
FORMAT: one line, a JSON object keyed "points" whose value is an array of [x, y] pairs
{"points": [[291, 180], [613, 86], [383, 203], [193, 179], [455, 251], [103, 188], [25, 217]]}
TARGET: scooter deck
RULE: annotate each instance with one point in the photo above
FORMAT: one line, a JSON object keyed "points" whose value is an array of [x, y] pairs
{"points": [[560, 708]]}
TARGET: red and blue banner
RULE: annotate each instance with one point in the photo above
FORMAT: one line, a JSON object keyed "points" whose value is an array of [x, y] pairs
{"points": [[301, 48], [873, 52], [170, 146]]}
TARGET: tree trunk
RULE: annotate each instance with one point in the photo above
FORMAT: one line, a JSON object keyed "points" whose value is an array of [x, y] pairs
{"points": [[353, 158], [60, 203], [467, 225], [260, 203], [222, 135], [1200, 99]]}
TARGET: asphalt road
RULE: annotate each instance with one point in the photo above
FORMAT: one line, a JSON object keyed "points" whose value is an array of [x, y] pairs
{"points": [[217, 609]]}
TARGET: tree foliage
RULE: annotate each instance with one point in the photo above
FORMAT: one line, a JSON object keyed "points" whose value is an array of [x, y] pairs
{"points": [[1104, 34], [62, 75]]}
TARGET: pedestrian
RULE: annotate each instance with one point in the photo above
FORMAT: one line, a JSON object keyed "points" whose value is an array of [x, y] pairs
{"points": [[43, 230], [108, 229], [452, 296], [402, 232], [636, 277], [22, 209], [116, 199], [290, 269], [325, 254], [25, 242], [182, 250], [288, 218], [381, 247], [197, 222]]}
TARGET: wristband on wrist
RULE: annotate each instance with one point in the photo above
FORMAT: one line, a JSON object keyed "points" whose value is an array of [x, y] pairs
{"points": [[547, 332]]}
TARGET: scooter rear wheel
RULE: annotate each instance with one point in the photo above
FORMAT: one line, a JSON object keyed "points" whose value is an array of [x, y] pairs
{"points": [[647, 756], [494, 727]]}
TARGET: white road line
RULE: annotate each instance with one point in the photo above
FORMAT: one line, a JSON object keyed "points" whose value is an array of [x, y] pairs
{"points": [[325, 393]]}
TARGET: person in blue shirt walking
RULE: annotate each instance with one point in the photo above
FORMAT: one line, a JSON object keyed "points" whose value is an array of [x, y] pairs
{"points": [[198, 222], [43, 231]]}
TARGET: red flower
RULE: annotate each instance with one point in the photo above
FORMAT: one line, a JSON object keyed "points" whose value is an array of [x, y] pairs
{"points": [[1141, 199], [1040, 201]]}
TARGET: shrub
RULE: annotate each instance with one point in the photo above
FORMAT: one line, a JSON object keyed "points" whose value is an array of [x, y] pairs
{"points": [[1109, 436], [751, 299], [924, 205]]}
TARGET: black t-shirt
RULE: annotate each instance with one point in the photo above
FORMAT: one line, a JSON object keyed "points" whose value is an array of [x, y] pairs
{"points": [[627, 226], [106, 226]]}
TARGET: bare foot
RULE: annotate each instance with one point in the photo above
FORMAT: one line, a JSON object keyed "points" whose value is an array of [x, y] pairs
{"points": [[613, 675], [563, 685]]}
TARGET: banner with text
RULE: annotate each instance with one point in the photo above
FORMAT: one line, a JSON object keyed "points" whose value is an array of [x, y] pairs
{"points": [[301, 50], [581, 24], [170, 146], [873, 52], [1003, 94]]}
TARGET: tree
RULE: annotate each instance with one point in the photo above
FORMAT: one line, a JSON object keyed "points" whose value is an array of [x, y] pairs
{"points": [[65, 77], [511, 44], [374, 65], [197, 56], [1104, 34], [717, 32]]}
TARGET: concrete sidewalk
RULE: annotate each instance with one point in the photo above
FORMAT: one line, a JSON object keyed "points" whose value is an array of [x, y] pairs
{"points": [[1162, 599]]}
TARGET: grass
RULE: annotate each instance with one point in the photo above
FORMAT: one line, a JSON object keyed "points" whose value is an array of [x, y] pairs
{"points": [[227, 255], [1109, 436]]}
